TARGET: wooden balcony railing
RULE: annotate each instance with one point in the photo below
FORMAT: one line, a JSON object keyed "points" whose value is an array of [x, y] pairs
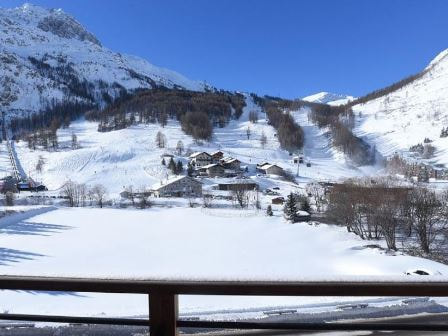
{"points": [[163, 296]]}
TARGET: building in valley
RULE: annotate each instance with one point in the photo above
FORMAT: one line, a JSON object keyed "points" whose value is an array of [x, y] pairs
{"points": [[213, 170], [179, 186], [231, 163], [271, 169], [200, 159]]}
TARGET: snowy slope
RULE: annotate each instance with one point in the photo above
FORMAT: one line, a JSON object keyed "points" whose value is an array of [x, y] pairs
{"points": [[329, 98], [130, 156], [64, 55], [328, 163], [406, 116]]}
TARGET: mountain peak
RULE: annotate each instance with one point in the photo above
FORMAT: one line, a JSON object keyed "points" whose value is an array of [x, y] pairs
{"points": [[329, 98], [63, 25], [47, 57]]}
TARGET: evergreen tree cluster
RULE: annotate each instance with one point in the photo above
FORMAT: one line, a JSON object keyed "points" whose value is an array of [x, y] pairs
{"points": [[444, 132], [175, 167], [294, 203], [60, 114], [198, 112], [289, 133]]}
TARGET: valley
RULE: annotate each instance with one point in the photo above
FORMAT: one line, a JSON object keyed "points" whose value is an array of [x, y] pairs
{"points": [[114, 168]]}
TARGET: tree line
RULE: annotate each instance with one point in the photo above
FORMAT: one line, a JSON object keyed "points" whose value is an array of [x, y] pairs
{"points": [[56, 114], [373, 209], [198, 112], [290, 135], [340, 121]]}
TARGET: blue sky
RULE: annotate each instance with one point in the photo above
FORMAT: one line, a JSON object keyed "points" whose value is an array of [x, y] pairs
{"points": [[277, 47]]}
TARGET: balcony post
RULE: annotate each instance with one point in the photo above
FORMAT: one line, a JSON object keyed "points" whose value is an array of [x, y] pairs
{"points": [[163, 313]]}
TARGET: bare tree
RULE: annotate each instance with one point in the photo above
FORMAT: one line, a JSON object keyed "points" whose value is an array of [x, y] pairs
{"points": [[74, 141], [426, 211], [180, 147], [99, 193], [40, 164], [160, 140], [263, 139], [248, 132], [82, 191], [240, 195], [130, 194], [256, 199], [207, 200], [9, 198], [70, 193], [317, 193], [253, 117]]}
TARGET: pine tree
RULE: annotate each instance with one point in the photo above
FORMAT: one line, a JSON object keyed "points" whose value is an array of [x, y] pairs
{"points": [[305, 205], [179, 167], [172, 166], [163, 162], [269, 211], [290, 208], [190, 169]]}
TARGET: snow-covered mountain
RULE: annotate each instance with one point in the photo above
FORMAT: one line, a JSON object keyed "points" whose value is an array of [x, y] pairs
{"points": [[408, 115], [47, 55], [329, 98]]}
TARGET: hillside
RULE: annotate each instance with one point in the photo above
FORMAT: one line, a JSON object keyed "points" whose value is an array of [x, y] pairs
{"points": [[46, 56], [404, 117], [130, 156]]}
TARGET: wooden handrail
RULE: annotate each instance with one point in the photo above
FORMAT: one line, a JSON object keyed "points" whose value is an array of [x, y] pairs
{"points": [[164, 310]]}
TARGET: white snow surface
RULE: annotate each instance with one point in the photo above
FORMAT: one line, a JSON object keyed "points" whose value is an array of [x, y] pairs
{"points": [[182, 243], [329, 98], [26, 90], [407, 116]]}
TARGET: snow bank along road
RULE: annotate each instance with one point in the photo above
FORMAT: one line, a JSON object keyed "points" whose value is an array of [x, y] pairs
{"points": [[183, 244]]}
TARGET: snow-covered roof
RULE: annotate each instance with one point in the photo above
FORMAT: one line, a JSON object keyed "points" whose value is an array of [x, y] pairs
{"points": [[211, 165], [230, 160], [164, 183], [267, 166], [198, 153]]}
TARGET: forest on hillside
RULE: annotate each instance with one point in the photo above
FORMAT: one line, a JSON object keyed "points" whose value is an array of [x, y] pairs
{"points": [[197, 112], [290, 135]]}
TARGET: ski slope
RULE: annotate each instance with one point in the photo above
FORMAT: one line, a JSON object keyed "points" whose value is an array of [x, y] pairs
{"points": [[328, 163], [182, 243], [130, 156]]}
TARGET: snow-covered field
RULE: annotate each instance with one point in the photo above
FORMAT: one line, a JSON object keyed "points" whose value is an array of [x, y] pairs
{"points": [[180, 243]]}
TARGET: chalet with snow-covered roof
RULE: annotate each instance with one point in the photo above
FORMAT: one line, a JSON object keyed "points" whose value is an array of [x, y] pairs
{"points": [[179, 186], [271, 169], [217, 156], [261, 164], [213, 170], [231, 163], [200, 159]]}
